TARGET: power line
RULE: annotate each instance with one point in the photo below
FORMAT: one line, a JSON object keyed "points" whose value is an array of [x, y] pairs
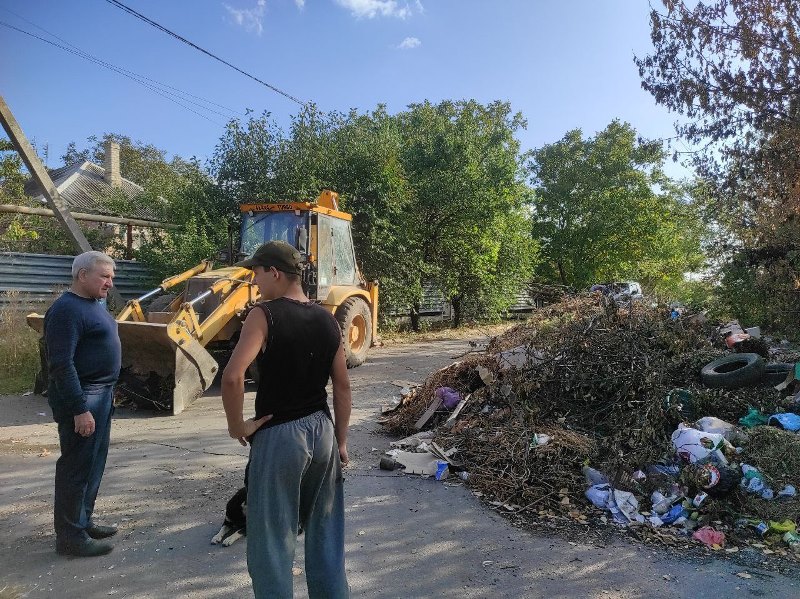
{"points": [[133, 74], [141, 17], [122, 72]]}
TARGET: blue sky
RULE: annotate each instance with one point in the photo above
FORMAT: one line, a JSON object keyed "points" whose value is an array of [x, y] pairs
{"points": [[563, 64]]}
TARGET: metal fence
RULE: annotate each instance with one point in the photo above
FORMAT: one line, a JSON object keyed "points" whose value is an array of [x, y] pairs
{"points": [[30, 281], [433, 304]]}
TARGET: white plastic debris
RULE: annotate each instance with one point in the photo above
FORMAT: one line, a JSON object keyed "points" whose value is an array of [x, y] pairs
{"points": [[693, 445]]}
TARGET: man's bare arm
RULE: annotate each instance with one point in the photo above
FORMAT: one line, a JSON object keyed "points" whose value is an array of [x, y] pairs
{"points": [[254, 332], [342, 401]]}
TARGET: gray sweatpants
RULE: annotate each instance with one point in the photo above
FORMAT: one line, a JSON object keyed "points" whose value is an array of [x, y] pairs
{"points": [[296, 480]]}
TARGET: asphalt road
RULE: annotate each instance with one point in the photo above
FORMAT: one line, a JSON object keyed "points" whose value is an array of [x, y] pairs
{"points": [[168, 479]]}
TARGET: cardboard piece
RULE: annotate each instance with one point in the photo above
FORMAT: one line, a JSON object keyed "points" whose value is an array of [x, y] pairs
{"points": [[413, 441], [418, 463], [437, 401], [452, 418]]}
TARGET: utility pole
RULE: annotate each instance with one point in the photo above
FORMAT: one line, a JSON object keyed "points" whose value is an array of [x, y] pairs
{"points": [[41, 176]]}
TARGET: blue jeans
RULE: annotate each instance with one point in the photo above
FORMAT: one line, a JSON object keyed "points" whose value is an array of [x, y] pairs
{"points": [[80, 468], [295, 478]]}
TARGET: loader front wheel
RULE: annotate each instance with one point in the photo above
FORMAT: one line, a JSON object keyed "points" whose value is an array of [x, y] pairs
{"points": [[356, 321]]}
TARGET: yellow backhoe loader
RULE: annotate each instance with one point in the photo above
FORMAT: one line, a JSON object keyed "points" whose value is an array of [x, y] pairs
{"points": [[169, 342]]}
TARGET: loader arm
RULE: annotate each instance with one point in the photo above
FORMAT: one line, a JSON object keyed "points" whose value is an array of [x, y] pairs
{"points": [[238, 290], [133, 308]]}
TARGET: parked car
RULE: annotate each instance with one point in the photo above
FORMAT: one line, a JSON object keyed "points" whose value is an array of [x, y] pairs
{"points": [[620, 290]]}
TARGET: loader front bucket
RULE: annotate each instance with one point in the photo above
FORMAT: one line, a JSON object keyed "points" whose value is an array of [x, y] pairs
{"points": [[159, 372]]}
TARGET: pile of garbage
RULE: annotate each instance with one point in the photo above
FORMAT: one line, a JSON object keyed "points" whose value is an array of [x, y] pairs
{"points": [[620, 413]]}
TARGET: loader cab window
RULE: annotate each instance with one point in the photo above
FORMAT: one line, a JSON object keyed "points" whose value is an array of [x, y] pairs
{"points": [[343, 253], [337, 263], [274, 226]]}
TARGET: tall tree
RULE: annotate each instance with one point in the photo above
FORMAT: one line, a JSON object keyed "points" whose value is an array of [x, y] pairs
{"points": [[730, 67], [604, 210], [368, 172], [462, 163], [244, 162], [356, 155]]}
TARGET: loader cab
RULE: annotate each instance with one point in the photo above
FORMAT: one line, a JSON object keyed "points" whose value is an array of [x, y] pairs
{"points": [[321, 233]]}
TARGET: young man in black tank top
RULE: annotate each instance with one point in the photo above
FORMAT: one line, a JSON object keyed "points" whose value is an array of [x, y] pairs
{"points": [[297, 452]]}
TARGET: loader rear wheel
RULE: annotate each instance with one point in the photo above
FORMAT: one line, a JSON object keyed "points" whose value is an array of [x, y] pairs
{"points": [[356, 321]]}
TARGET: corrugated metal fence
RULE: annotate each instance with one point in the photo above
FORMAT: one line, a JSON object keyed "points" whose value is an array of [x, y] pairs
{"points": [[29, 281], [32, 280]]}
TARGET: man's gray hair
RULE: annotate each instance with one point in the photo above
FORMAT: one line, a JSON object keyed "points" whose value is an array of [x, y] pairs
{"points": [[87, 261]]}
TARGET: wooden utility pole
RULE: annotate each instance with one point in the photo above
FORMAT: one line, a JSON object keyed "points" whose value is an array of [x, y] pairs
{"points": [[42, 178]]}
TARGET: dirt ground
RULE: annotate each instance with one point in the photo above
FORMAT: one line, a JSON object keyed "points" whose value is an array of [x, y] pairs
{"points": [[168, 479]]}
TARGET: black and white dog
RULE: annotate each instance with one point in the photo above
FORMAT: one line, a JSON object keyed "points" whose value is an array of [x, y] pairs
{"points": [[235, 525]]}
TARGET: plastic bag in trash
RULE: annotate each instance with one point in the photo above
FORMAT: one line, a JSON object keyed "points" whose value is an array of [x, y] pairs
{"points": [[693, 445], [622, 505], [712, 424], [661, 503], [594, 477], [682, 401], [753, 482], [709, 536], [450, 397], [782, 527], [787, 421], [787, 491], [674, 514], [753, 418]]}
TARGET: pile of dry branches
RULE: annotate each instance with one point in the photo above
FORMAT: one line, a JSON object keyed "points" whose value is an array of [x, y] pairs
{"points": [[595, 381]]}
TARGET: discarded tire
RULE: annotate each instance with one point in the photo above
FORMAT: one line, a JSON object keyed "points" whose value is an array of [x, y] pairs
{"points": [[775, 374], [734, 371]]}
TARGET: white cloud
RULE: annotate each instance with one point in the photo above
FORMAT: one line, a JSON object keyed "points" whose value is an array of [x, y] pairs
{"points": [[300, 4], [409, 43], [378, 8], [249, 18]]}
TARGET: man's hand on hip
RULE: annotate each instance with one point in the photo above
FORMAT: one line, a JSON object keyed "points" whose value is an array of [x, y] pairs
{"points": [[84, 424], [242, 430]]}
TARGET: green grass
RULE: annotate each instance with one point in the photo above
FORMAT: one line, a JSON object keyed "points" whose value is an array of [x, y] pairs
{"points": [[19, 348]]}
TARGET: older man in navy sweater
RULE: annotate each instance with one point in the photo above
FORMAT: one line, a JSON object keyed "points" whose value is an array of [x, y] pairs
{"points": [[84, 357]]}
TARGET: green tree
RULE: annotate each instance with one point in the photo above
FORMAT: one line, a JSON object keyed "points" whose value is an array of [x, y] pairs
{"points": [[195, 205], [12, 179], [367, 171], [730, 68], [604, 210], [462, 163], [356, 155], [13, 229], [245, 161]]}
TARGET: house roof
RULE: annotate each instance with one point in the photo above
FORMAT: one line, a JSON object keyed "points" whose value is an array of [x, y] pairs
{"points": [[82, 187]]}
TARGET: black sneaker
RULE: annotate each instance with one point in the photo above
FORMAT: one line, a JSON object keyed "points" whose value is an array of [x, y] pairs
{"points": [[98, 531], [83, 548]]}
